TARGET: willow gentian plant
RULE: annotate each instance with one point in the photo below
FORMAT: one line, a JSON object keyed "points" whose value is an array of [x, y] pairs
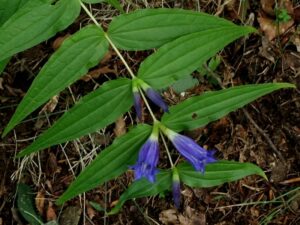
{"points": [[183, 40]]}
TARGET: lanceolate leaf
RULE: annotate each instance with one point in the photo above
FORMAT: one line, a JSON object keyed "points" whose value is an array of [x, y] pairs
{"points": [[217, 173], [182, 56], [30, 26], [151, 28], [77, 54], [9, 7], [93, 1], [198, 111], [110, 163], [143, 188], [3, 64], [94, 111]]}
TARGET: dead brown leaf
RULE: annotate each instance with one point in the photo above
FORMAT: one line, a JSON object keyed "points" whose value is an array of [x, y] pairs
{"points": [[94, 74], [51, 215], [268, 6], [58, 41], [48, 108], [1, 83], [90, 212], [40, 202], [120, 127], [169, 217], [273, 29]]}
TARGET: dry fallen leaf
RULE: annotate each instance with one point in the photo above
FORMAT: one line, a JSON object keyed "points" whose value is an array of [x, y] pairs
{"points": [[94, 74], [51, 105], [120, 127], [48, 108], [90, 212], [271, 29], [40, 202], [1, 83], [58, 41], [51, 215], [169, 217]]}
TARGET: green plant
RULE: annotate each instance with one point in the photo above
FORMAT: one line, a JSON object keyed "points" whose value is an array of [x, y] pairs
{"points": [[179, 53]]}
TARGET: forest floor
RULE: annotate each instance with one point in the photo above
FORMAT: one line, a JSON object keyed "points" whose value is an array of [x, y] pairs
{"points": [[266, 132]]}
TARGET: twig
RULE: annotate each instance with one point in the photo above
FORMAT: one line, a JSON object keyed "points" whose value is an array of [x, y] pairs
{"points": [[273, 147]]}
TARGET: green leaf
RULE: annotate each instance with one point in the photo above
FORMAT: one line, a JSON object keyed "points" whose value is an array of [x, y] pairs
{"points": [[9, 7], [31, 25], [116, 4], [26, 206], [3, 64], [198, 111], [93, 1], [97, 206], [143, 188], [93, 112], [184, 84], [151, 28], [182, 56], [77, 54], [217, 173], [110, 163]]}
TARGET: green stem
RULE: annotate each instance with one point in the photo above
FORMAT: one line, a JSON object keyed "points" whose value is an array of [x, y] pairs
{"points": [[108, 39], [167, 150], [148, 106]]}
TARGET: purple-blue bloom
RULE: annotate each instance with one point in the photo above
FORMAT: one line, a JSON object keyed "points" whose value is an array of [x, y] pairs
{"points": [[137, 104], [176, 188], [191, 151], [156, 98], [147, 160]]}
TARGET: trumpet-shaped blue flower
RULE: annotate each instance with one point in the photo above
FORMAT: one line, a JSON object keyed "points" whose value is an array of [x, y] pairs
{"points": [[156, 98], [191, 151], [147, 160], [139, 85], [176, 188], [137, 104]]}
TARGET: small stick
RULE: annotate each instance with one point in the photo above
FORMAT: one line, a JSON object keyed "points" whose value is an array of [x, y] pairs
{"points": [[273, 147]]}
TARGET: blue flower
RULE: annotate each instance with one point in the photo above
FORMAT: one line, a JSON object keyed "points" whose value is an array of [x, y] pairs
{"points": [[191, 151], [176, 188], [137, 104], [147, 160], [138, 86], [156, 98]]}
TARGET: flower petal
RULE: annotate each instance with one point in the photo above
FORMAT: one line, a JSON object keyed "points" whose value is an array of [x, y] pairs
{"points": [[191, 151], [138, 104], [147, 160], [156, 98]]}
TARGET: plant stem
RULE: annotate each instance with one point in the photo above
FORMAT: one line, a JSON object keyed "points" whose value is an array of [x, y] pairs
{"points": [[108, 39], [167, 150], [120, 55], [148, 106]]}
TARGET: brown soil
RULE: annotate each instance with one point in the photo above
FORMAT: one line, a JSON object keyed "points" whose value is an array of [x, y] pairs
{"points": [[266, 132]]}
